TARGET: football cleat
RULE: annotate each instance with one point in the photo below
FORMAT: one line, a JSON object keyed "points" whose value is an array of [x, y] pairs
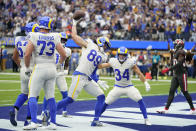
{"points": [[191, 112], [64, 114], [147, 122], [32, 126], [46, 117], [52, 126], [13, 117], [162, 111], [96, 123]]}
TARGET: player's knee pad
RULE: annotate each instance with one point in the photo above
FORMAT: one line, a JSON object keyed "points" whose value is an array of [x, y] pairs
{"points": [[101, 97]]}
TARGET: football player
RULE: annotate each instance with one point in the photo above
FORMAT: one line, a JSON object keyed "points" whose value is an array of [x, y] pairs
{"points": [[60, 78], [179, 76], [42, 45], [18, 57], [92, 55], [122, 66]]}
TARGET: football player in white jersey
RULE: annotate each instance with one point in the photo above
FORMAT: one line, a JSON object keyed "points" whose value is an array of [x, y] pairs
{"points": [[122, 66], [42, 45], [92, 55], [18, 57], [60, 78]]}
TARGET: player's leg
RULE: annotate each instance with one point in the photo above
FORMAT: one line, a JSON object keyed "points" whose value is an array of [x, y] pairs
{"points": [[173, 88], [183, 85], [36, 82], [134, 94], [93, 89], [49, 90], [113, 95], [78, 82], [62, 86], [19, 102]]}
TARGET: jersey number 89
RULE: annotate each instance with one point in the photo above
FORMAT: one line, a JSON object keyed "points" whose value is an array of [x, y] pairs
{"points": [[93, 56]]}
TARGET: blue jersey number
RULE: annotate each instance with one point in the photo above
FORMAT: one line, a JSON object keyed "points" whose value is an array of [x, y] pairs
{"points": [[50, 45], [125, 74], [20, 51], [93, 56]]}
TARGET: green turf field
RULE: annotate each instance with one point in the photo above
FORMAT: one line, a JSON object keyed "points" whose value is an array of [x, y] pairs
{"points": [[10, 88]]}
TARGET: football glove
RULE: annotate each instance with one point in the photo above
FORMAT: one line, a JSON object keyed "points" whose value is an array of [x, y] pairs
{"points": [[147, 86], [59, 67], [28, 72], [103, 84]]}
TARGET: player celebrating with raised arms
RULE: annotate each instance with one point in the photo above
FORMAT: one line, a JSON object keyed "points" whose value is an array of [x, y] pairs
{"points": [[42, 45], [18, 57], [92, 55], [122, 66]]}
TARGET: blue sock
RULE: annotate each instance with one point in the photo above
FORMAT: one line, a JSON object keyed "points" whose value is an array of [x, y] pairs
{"points": [[98, 106], [64, 103], [52, 108], [28, 112], [143, 108], [33, 109], [103, 108], [20, 100], [64, 95], [45, 103]]}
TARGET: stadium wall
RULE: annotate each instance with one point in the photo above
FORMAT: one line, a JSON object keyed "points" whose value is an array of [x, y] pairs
{"points": [[137, 45]]}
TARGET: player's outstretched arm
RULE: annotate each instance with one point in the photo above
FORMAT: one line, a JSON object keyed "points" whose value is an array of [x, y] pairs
{"points": [[15, 57], [76, 38], [28, 53], [62, 53], [139, 73], [104, 65], [141, 76]]}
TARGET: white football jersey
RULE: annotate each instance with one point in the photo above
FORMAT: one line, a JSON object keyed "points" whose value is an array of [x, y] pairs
{"points": [[90, 59], [20, 45], [44, 46], [122, 71]]}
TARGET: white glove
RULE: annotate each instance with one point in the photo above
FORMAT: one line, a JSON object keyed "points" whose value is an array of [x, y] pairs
{"points": [[147, 86], [28, 72], [75, 22], [59, 67], [103, 84]]}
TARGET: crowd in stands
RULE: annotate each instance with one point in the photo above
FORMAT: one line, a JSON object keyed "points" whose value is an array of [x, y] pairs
{"points": [[118, 19]]}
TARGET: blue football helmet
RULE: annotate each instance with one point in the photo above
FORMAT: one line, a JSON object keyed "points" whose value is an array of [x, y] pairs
{"points": [[122, 51], [31, 27], [46, 23], [64, 38], [104, 44]]}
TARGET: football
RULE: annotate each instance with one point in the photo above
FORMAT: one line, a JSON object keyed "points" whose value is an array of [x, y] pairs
{"points": [[78, 14]]}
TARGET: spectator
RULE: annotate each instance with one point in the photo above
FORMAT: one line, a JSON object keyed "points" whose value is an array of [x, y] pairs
{"points": [[141, 59], [155, 65]]}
